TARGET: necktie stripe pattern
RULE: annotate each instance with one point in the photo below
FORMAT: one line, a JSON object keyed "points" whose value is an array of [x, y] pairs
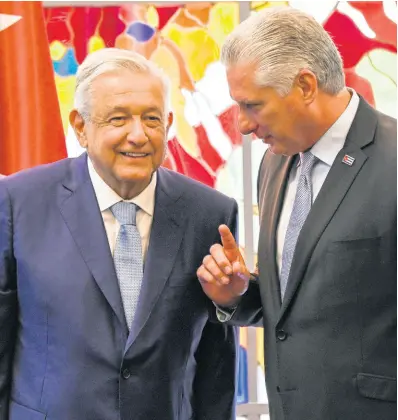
{"points": [[128, 257], [301, 208]]}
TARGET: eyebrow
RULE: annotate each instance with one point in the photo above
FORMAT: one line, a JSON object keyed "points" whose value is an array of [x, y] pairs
{"points": [[111, 110], [245, 101], [153, 109]]}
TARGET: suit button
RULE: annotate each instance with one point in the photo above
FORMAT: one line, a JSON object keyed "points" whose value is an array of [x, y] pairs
{"points": [[278, 389], [281, 335], [126, 374]]}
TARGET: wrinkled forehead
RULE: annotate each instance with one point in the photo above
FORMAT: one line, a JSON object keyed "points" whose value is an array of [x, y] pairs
{"points": [[242, 81], [124, 89]]}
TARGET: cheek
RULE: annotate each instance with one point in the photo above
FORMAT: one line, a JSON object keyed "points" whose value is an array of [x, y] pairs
{"points": [[281, 120], [157, 137], [160, 148], [109, 140], [268, 119]]}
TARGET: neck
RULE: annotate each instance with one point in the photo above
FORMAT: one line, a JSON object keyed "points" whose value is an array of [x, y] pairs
{"points": [[328, 111], [128, 191]]}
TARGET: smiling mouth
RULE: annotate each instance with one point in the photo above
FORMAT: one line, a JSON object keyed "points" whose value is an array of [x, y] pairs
{"points": [[135, 155]]}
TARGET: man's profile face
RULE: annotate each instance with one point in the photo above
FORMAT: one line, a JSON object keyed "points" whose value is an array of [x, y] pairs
{"points": [[125, 135], [277, 120]]}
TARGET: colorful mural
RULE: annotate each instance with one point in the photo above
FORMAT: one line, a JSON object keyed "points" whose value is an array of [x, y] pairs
{"points": [[185, 41]]}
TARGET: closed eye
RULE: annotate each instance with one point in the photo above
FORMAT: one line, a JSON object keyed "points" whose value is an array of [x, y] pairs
{"points": [[250, 106]]}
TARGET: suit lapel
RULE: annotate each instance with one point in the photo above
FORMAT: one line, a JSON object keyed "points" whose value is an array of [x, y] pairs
{"points": [[332, 193], [165, 240], [271, 207], [79, 208]]}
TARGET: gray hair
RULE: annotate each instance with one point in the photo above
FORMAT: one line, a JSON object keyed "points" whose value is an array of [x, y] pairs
{"points": [[281, 42], [107, 60]]}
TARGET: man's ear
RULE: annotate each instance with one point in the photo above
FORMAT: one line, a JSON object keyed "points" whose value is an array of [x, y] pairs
{"points": [[77, 122], [307, 83], [170, 119]]}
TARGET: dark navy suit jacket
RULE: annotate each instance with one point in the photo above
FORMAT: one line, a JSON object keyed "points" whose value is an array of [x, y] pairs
{"points": [[65, 349]]}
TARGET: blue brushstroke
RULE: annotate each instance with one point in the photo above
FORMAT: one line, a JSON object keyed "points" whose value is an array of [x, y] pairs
{"points": [[68, 64], [140, 31]]}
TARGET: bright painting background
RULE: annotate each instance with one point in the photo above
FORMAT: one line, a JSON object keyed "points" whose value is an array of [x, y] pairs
{"points": [[185, 41]]}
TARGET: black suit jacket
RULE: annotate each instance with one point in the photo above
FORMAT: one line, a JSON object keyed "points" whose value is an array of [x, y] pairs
{"points": [[65, 350], [330, 347]]}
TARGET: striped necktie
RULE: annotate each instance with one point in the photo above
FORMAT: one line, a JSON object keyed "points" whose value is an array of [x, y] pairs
{"points": [[301, 208], [128, 257]]}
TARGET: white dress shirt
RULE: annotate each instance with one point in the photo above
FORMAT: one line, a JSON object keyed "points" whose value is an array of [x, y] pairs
{"points": [[325, 149], [106, 198]]}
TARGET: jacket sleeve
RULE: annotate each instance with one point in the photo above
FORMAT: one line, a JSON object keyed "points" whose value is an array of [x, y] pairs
{"points": [[8, 300], [214, 390], [249, 311]]}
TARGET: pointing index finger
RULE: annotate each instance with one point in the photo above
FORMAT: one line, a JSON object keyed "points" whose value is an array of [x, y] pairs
{"points": [[228, 242]]}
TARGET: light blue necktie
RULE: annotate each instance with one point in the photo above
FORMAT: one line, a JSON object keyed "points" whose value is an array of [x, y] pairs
{"points": [[301, 208], [128, 257]]}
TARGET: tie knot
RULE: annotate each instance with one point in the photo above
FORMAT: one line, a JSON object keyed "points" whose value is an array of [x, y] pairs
{"points": [[307, 161], [124, 212]]}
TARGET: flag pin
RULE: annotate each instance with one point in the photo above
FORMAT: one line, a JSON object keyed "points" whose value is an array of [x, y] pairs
{"points": [[348, 160]]}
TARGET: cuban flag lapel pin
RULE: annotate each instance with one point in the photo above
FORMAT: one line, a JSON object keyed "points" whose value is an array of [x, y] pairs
{"points": [[348, 160]]}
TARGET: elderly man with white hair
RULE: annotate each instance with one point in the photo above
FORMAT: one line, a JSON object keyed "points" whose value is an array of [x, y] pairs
{"points": [[101, 313], [325, 288]]}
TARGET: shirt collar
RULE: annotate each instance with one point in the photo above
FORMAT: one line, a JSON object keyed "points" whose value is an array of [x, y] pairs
{"points": [[107, 197], [329, 145]]}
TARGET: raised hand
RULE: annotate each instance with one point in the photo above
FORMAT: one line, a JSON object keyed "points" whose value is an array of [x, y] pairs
{"points": [[223, 274]]}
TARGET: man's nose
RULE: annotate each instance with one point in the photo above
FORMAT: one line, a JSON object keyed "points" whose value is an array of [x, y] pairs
{"points": [[136, 132], [246, 125]]}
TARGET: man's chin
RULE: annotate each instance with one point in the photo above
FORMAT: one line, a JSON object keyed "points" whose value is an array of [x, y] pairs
{"points": [[134, 176], [275, 150], [273, 147], [278, 150]]}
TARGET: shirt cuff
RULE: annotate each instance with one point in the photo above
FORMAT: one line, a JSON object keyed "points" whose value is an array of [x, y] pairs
{"points": [[224, 314]]}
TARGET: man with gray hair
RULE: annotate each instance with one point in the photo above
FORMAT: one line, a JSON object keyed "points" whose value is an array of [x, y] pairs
{"points": [[325, 288], [101, 313]]}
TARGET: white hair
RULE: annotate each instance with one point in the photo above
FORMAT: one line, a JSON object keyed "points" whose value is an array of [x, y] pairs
{"points": [[281, 41], [107, 60]]}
